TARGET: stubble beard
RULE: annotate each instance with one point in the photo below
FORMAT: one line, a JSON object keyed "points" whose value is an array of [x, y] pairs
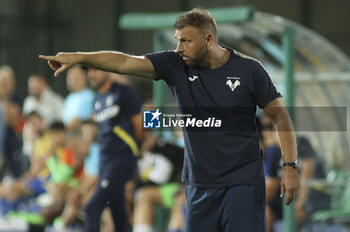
{"points": [[97, 85], [200, 58]]}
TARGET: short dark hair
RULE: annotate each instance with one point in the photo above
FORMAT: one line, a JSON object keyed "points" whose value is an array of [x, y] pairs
{"points": [[57, 126], [90, 122], [33, 113], [197, 18], [38, 76]]}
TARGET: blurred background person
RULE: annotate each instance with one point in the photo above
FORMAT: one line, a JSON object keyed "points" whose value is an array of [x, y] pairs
{"points": [[159, 179], [65, 165], [178, 211], [8, 92], [36, 145], [78, 104], [270, 145], [311, 198], [33, 129], [8, 85], [55, 170], [32, 182], [12, 165], [117, 112], [43, 100]]}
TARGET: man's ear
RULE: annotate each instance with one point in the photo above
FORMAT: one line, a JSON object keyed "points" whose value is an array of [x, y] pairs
{"points": [[209, 39]]}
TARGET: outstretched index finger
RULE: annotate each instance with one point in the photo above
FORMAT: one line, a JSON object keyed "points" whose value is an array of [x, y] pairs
{"points": [[47, 57]]}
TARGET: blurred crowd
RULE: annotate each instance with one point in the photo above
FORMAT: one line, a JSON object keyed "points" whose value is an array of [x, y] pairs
{"points": [[49, 158], [49, 163]]}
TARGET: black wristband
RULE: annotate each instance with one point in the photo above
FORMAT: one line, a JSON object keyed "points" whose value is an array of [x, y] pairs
{"points": [[291, 164]]}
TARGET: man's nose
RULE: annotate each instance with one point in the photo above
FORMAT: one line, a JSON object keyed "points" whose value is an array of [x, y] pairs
{"points": [[179, 48]]}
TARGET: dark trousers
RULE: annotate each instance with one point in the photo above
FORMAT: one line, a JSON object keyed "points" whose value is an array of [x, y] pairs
{"points": [[110, 193], [238, 208]]}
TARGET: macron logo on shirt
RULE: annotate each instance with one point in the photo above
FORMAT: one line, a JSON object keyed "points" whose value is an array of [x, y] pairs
{"points": [[193, 78]]}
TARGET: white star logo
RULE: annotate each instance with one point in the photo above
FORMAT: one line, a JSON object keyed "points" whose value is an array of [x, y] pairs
{"points": [[156, 115]]}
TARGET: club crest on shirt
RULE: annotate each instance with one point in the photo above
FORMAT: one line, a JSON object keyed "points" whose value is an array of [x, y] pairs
{"points": [[233, 82], [97, 105], [109, 100]]}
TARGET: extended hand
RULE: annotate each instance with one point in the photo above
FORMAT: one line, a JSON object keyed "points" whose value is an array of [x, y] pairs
{"points": [[61, 62], [290, 184]]}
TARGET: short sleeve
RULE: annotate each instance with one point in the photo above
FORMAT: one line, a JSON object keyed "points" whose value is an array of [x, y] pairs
{"points": [[264, 90], [164, 63]]}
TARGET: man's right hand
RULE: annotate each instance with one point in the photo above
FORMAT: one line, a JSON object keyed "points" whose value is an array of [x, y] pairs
{"points": [[61, 62]]}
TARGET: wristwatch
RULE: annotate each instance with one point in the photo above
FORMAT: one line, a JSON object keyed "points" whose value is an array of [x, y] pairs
{"points": [[294, 164]]}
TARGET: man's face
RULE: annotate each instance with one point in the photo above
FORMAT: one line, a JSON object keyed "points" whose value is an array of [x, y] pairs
{"points": [[12, 113], [76, 80], [57, 138], [97, 78], [7, 84], [36, 86], [191, 45]]}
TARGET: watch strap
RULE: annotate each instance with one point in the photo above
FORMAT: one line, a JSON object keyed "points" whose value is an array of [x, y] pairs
{"points": [[291, 164]]}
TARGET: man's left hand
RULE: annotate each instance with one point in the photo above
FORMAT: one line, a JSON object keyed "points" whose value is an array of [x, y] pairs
{"points": [[290, 184]]}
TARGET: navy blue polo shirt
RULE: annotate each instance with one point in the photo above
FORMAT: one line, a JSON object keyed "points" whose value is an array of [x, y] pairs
{"points": [[112, 112], [230, 93]]}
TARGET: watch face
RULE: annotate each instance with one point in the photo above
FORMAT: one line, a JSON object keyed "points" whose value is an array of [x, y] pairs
{"points": [[296, 163]]}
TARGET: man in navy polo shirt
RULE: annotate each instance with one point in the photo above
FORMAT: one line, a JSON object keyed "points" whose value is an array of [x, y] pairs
{"points": [[117, 112], [223, 169]]}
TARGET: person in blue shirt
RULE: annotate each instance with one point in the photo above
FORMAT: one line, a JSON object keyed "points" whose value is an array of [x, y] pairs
{"points": [[77, 106], [116, 110], [223, 168], [12, 143]]}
